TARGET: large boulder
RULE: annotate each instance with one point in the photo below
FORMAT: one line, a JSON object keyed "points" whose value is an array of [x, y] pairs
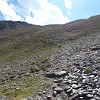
{"points": [[56, 74]]}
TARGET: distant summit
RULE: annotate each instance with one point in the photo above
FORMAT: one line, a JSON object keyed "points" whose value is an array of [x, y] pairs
{"points": [[13, 25], [77, 24], [95, 17]]}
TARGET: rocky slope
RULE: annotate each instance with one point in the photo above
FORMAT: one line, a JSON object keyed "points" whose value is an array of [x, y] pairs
{"points": [[74, 74], [54, 62]]}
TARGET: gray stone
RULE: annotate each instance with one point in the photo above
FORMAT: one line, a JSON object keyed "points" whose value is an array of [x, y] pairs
{"points": [[58, 89], [29, 98], [54, 86], [89, 95], [50, 74], [58, 98], [68, 91], [97, 98], [60, 73], [74, 86], [49, 97], [44, 92], [56, 74], [54, 93], [95, 48], [92, 99], [40, 93], [81, 98], [58, 80], [75, 97], [67, 87]]}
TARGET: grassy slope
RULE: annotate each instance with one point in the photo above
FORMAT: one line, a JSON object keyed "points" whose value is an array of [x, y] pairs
{"points": [[24, 88], [25, 42]]}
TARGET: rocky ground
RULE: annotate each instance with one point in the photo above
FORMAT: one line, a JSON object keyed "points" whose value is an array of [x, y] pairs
{"points": [[52, 62], [75, 72]]}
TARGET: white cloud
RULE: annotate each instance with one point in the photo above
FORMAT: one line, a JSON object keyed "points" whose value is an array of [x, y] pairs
{"points": [[39, 12], [68, 4], [43, 11], [8, 11]]}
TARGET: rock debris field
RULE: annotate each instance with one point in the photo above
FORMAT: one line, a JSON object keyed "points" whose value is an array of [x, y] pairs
{"points": [[75, 72]]}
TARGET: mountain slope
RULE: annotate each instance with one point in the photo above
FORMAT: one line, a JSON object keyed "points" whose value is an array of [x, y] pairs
{"points": [[29, 50], [25, 40], [13, 25]]}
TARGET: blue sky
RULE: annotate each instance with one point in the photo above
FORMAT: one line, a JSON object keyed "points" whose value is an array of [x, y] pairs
{"points": [[43, 12]]}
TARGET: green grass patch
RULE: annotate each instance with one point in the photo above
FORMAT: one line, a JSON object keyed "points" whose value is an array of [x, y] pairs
{"points": [[24, 87], [25, 48]]}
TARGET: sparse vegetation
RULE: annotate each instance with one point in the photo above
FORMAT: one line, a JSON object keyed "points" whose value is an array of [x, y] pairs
{"points": [[23, 88], [26, 50], [89, 70]]}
